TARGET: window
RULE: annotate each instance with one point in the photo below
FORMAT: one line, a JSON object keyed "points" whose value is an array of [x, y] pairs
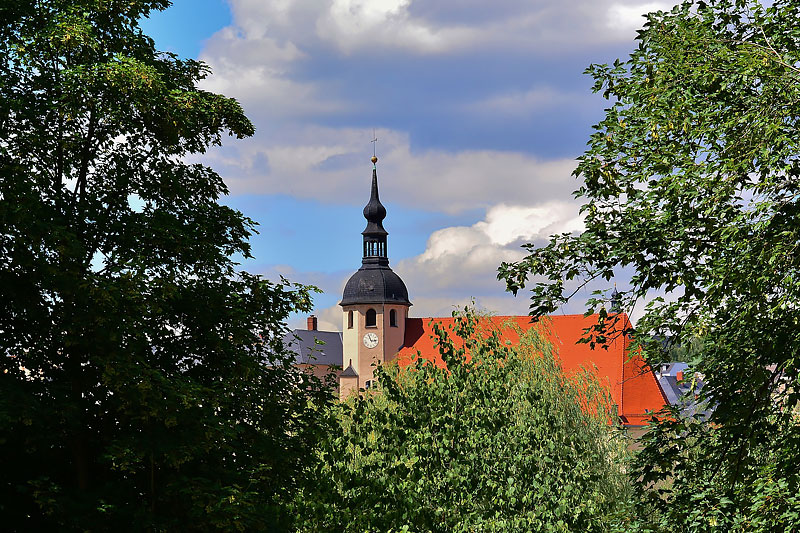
{"points": [[371, 320], [393, 318], [349, 320]]}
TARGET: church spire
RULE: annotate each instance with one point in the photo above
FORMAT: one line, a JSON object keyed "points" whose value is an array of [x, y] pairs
{"points": [[374, 234], [616, 301], [375, 283]]}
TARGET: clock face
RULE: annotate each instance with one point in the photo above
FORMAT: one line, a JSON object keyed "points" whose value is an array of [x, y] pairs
{"points": [[370, 340]]}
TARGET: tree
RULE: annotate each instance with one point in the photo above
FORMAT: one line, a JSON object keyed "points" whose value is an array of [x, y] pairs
{"points": [[691, 182], [144, 383], [499, 440]]}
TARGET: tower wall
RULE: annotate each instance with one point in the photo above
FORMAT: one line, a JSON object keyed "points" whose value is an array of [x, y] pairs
{"points": [[351, 340], [390, 338], [368, 356], [394, 337], [347, 387]]}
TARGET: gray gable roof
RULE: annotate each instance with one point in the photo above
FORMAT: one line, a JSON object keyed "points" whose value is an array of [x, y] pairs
{"points": [[349, 372], [680, 392], [669, 384], [315, 347]]}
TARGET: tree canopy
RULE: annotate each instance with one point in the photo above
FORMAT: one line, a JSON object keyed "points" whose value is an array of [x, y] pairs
{"points": [[499, 440], [692, 182], [144, 382]]}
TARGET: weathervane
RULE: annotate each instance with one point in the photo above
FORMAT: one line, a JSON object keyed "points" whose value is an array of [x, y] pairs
{"points": [[374, 142]]}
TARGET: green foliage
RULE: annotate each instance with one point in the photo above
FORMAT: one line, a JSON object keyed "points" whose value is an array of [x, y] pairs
{"points": [[144, 381], [692, 182], [499, 442]]}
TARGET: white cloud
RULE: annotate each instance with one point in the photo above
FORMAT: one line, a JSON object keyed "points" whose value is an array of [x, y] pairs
{"points": [[331, 164], [259, 71], [330, 318], [346, 25], [506, 224], [270, 60], [625, 19], [516, 103], [365, 26], [354, 24], [257, 59], [464, 259]]}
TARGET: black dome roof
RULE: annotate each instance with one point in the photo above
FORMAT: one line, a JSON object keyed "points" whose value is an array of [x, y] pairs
{"points": [[375, 283]]}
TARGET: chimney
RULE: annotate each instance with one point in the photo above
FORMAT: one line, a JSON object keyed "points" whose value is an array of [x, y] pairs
{"points": [[311, 322], [678, 376]]}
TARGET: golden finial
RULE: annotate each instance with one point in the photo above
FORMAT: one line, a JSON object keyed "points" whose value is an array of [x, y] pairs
{"points": [[374, 142]]}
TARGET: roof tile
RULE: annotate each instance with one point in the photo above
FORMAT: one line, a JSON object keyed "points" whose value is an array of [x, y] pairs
{"points": [[632, 383]]}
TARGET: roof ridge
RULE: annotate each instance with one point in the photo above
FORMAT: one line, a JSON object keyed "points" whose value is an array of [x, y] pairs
{"points": [[581, 315]]}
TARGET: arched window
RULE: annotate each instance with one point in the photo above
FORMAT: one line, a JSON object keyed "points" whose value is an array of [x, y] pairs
{"points": [[349, 320], [393, 318], [371, 320]]}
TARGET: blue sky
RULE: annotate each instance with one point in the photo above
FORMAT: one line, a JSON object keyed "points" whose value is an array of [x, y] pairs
{"points": [[480, 110]]}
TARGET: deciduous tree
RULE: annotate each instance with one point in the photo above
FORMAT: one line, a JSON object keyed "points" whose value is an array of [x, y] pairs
{"points": [[692, 182], [499, 440], [144, 384]]}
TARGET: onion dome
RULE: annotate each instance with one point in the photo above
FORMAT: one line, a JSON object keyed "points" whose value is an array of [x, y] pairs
{"points": [[374, 211]]}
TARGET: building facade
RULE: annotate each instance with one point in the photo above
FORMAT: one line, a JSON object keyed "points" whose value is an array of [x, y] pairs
{"points": [[377, 329]]}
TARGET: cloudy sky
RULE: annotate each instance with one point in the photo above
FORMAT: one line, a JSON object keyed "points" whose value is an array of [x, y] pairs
{"points": [[480, 109]]}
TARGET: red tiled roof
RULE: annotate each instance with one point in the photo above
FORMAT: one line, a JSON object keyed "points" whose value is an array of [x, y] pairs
{"points": [[633, 386]]}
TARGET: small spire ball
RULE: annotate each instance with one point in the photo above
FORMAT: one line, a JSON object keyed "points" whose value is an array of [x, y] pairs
{"points": [[374, 159]]}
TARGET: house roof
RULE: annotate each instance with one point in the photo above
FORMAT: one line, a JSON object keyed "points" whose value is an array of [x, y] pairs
{"points": [[683, 393], [672, 391], [349, 372], [633, 385], [315, 347]]}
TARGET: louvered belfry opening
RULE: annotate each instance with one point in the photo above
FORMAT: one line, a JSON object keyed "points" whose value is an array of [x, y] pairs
{"points": [[374, 234]]}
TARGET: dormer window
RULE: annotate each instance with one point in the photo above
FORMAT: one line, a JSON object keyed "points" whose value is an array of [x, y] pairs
{"points": [[371, 319]]}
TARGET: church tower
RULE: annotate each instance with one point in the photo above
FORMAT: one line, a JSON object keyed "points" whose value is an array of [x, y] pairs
{"points": [[374, 304]]}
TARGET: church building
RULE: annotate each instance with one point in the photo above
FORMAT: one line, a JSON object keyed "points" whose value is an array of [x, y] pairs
{"points": [[377, 328]]}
